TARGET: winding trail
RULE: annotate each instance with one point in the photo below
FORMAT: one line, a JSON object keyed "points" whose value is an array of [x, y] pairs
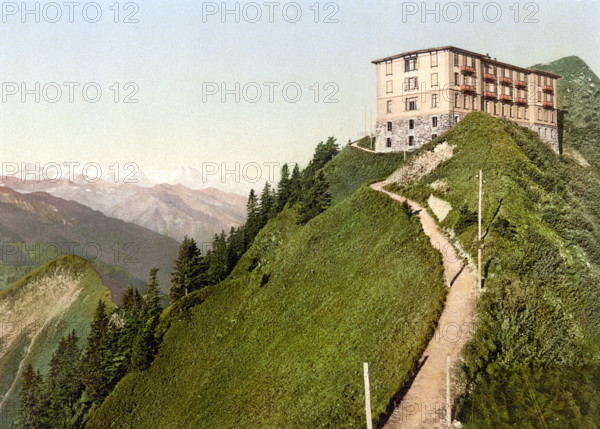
{"points": [[424, 404]]}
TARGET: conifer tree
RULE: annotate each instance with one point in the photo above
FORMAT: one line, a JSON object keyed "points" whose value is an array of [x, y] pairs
{"points": [[315, 200], [152, 295], [93, 368], [295, 185], [185, 275], [283, 189], [31, 413]]}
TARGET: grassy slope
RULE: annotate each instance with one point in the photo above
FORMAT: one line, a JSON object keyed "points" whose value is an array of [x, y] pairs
{"points": [[282, 341], [534, 355], [41, 292]]}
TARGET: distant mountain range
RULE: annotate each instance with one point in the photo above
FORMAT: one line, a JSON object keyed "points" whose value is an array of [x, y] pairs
{"points": [[171, 210], [66, 227]]}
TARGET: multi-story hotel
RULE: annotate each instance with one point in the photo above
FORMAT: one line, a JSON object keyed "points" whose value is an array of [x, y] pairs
{"points": [[421, 94]]}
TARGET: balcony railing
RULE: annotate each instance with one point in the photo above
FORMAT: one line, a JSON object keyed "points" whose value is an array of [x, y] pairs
{"points": [[505, 81], [521, 84], [489, 77], [467, 70], [467, 88], [521, 101], [548, 89], [505, 98], [548, 105], [489, 94]]}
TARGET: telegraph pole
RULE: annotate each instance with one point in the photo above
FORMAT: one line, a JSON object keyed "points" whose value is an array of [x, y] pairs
{"points": [[367, 396], [479, 235]]}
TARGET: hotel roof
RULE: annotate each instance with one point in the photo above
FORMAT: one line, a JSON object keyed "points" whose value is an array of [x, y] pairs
{"points": [[464, 51]]}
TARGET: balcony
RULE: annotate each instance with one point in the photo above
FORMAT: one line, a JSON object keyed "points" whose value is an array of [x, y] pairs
{"points": [[548, 105], [521, 84], [489, 94], [521, 101], [505, 81], [467, 70], [506, 98], [468, 89], [548, 89], [489, 77]]}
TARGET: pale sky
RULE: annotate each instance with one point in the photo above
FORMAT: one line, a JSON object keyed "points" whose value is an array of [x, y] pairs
{"points": [[171, 54]]}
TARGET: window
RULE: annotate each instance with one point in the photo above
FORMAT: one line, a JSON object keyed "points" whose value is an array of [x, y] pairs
{"points": [[465, 101], [510, 113], [411, 140], [455, 100], [456, 119], [456, 82], [539, 96], [495, 108], [526, 113], [539, 114], [434, 59], [503, 110], [388, 68], [389, 87], [434, 79], [455, 60], [388, 142], [410, 64], [473, 102], [389, 126], [411, 103], [552, 116], [473, 62], [411, 83], [434, 122], [389, 106], [434, 100], [518, 113], [411, 124], [433, 136]]}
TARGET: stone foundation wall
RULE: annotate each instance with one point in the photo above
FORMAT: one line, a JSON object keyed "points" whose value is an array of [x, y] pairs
{"points": [[422, 132], [548, 134]]}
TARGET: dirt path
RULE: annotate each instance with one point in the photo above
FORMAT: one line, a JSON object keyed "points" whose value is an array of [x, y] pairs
{"points": [[424, 405]]}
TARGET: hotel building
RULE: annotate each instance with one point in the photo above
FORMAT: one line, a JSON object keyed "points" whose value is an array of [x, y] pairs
{"points": [[421, 94]]}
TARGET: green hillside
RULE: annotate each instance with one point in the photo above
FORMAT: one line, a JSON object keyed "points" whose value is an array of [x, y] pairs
{"points": [[534, 359], [37, 311], [579, 105], [281, 342]]}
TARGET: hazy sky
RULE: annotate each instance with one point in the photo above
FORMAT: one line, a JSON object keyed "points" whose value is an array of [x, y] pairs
{"points": [[175, 50]]}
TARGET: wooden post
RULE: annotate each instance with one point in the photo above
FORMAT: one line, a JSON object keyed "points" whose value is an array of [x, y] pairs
{"points": [[448, 398], [367, 396], [479, 250]]}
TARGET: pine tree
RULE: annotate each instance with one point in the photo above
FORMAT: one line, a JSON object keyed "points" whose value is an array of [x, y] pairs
{"points": [[63, 385], [145, 345], [283, 189], [315, 200], [93, 368], [267, 204], [217, 270], [253, 219], [31, 413], [185, 275], [295, 185], [152, 295]]}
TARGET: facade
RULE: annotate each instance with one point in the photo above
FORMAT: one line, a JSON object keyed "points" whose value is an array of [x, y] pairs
{"points": [[421, 94]]}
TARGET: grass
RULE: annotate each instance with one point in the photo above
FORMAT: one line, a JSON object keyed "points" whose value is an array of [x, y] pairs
{"points": [[352, 168], [533, 360], [281, 342], [37, 297]]}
